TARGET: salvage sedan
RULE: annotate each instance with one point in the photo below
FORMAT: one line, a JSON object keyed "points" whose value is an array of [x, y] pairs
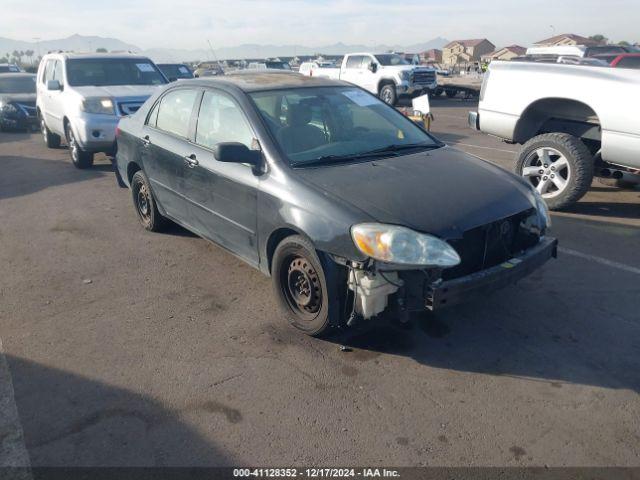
{"points": [[351, 208], [18, 101]]}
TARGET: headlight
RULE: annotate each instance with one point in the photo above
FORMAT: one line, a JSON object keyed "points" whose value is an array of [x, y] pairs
{"points": [[8, 107], [98, 105], [542, 208], [394, 244]]}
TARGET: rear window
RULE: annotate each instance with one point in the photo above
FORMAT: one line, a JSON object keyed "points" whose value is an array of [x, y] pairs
{"points": [[176, 71], [629, 62], [18, 84], [83, 72]]}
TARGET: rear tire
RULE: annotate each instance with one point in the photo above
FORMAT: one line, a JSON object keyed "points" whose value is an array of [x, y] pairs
{"points": [[308, 285], [81, 159], [388, 94], [51, 140], [145, 204], [559, 166]]}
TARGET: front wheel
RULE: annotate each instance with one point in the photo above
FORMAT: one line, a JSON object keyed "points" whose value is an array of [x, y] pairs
{"points": [[388, 94], [80, 158], [308, 287], [559, 166]]}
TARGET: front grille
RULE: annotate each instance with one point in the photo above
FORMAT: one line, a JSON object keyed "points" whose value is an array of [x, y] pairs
{"points": [[129, 108], [489, 245], [424, 77]]}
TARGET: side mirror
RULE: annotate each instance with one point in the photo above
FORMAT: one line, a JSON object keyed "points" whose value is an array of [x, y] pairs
{"points": [[373, 66], [53, 85], [235, 152]]}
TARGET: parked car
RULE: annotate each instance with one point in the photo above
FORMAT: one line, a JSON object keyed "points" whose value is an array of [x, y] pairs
{"points": [[269, 65], [18, 101], [81, 97], [175, 71], [388, 75], [627, 60], [10, 68], [208, 69], [317, 68], [350, 207], [573, 122]]}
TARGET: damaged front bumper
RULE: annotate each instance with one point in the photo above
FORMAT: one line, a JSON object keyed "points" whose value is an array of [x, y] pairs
{"points": [[417, 290]]}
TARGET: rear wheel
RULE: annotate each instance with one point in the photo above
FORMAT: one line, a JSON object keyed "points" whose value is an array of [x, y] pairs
{"points": [[80, 158], [51, 140], [559, 166], [145, 204], [307, 286], [388, 94]]}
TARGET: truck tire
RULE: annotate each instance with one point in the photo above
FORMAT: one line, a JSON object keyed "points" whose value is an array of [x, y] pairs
{"points": [[309, 286], [559, 166], [51, 140], [388, 94], [80, 158]]}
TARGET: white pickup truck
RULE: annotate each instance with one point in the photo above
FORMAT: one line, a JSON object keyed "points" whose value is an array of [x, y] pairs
{"points": [[574, 123], [386, 74]]}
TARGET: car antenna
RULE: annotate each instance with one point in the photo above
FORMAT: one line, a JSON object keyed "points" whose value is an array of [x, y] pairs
{"points": [[212, 51]]}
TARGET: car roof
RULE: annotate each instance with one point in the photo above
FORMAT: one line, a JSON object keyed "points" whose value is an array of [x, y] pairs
{"points": [[267, 80], [16, 75], [89, 55]]}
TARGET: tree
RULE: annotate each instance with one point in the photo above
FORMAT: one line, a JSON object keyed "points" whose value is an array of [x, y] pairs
{"points": [[29, 54], [101, 50], [598, 38], [624, 43]]}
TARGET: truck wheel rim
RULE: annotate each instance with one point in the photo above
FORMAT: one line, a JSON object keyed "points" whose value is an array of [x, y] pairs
{"points": [[386, 95], [301, 287], [548, 171], [144, 203], [43, 128], [73, 145]]}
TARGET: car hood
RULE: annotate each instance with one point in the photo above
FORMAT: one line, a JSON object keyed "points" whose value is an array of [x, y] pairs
{"points": [[26, 98], [443, 192], [118, 91]]}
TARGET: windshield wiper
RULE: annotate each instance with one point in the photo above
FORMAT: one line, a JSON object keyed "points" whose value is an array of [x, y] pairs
{"points": [[398, 147]]}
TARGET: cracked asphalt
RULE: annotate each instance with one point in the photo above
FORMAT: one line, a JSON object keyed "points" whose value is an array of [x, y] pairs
{"points": [[131, 348]]}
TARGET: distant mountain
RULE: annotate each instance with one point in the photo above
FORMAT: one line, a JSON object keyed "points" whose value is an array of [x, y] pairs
{"points": [[81, 43]]}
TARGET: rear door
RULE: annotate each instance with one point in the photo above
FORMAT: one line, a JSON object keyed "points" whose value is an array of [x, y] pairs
{"points": [[223, 196], [164, 148], [352, 71]]}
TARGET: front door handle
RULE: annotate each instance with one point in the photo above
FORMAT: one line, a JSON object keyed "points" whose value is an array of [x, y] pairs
{"points": [[191, 160], [146, 141]]}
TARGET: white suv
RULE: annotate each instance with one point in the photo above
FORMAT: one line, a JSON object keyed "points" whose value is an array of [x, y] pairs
{"points": [[81, 98]]}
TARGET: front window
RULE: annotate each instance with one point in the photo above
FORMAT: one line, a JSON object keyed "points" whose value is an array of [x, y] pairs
{"points": [[82, 72], [18, 84], [390, 59], [324, 125], [221, 120]]}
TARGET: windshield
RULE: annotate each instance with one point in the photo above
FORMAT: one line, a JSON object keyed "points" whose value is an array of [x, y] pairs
{"points": [[18, 84], [333, 124], [83, 72], [175, 71], [391, 59]]}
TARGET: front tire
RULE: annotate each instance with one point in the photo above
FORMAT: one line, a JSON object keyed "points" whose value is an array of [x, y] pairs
{"points": [[51, 140], [145, 204], [81, 159], [559, 166], [308, 286], [388, 94]]}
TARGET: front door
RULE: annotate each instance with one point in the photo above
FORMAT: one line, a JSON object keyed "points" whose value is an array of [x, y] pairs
{"points": [[223, 196]]}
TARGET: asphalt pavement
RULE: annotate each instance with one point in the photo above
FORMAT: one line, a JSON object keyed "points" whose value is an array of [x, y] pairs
{"points": [[124, 347]]}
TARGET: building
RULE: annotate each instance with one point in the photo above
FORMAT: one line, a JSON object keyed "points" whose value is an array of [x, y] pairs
{"points": [[505, 53], [565, 39], [466, 51], [431, 56]]}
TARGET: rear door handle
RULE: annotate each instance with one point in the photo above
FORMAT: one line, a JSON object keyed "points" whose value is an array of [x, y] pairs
{"points": [[191, 160], [146, 141]]}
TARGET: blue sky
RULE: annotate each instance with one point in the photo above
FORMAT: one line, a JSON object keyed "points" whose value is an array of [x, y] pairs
{"points": [[188, 23]]}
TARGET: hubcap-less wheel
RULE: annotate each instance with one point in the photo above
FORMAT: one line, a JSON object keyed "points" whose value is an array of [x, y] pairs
{"points": [[548, 171], [43, 128], [387, 96], [302, 287], [73, 146], [144, 203]]}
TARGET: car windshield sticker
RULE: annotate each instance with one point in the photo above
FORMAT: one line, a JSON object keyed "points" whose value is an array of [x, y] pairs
{"points": [[144, 67], [360, 98], [183, 70]]}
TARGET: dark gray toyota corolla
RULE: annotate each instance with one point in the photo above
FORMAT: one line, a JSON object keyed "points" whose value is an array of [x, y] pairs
{"points": [[349, 206]]}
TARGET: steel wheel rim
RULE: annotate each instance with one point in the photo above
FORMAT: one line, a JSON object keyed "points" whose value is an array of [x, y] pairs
{"points": [[548, 171], [301, 287], [144, 203], [43, 128]]}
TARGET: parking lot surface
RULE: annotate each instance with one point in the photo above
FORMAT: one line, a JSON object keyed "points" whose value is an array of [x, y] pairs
{"points": [[131, 348]]}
